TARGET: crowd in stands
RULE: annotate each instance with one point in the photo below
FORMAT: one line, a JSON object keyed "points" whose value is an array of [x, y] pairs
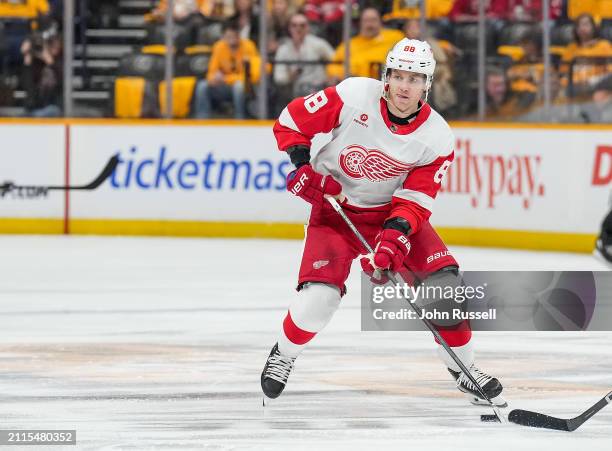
{"points": [[306, 53]]}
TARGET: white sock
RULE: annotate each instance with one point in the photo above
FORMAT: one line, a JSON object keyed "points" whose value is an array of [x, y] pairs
{"points": [[465, 354], [310, 311]]}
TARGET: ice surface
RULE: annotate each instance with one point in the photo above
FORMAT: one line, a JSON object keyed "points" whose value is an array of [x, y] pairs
{"points": [[142, 343]]}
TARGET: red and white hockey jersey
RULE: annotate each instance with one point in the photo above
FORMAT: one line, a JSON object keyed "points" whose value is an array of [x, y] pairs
{"points": [[376, 161]]}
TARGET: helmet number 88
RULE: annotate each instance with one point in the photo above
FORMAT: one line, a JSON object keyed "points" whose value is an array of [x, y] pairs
{"points": [[315, 101]]}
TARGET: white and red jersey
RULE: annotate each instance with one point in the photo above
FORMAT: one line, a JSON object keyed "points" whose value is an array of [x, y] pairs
{"points": [[376, 161]]}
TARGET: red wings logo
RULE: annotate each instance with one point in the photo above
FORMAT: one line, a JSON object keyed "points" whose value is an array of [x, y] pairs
{"points": [[358, 162]]}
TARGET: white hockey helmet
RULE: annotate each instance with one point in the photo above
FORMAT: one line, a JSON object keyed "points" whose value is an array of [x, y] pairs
{"points": [[410, 55]]}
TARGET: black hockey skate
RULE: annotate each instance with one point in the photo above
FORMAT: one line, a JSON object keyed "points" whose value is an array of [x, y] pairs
{"points": [[603, 248], [275, 373], [490, 385]]}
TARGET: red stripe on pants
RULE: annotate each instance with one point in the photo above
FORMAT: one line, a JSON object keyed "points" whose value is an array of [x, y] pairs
{"points": [[294, 333], [458, 335]]}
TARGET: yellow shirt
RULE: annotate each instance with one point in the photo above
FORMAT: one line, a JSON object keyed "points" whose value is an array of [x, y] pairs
{"points": [[526, 77], [231, 63], [601, 48], [26, 9], [583, 72], [365, 53]]}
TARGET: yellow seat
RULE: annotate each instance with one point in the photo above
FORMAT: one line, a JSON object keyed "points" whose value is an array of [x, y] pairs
{"points": [[182, 92], [513, 51], [599, 9], [557, 50], [523, 86], [129, 95], [154, 49], [197, 49], [28, 9]]}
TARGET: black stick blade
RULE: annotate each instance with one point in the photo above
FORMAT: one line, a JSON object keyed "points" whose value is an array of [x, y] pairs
{"points": [[537, 420], [106, 172], [110, 167]]}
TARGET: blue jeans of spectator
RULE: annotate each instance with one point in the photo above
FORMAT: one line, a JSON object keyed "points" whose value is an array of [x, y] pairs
{"points": [[207, 96], [46, 111]]}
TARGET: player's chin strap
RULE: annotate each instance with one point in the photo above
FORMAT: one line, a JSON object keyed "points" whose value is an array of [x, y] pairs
{"points": [[334, 203]]}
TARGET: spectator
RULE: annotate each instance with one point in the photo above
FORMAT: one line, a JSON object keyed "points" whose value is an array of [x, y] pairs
{"points": [[368, 48], [324, 10], [531, 10], [42, 73], [299, 80], [411, 9], [467, 10], [586, 40], [186, 16], [587, 44], [444, 96], [500, 102], [17, 17], [278, 24], [527, 74], [226, 77], [328, 15], [213, 9], [217, 9], [599, 109], [244, 17], [182, 10]]}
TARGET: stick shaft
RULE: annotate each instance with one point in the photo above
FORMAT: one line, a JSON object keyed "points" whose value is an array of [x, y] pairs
{"points": [[416, 308]]}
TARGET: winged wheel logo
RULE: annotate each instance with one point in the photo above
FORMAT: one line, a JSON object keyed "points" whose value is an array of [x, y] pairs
{"points": [[358, 162]]}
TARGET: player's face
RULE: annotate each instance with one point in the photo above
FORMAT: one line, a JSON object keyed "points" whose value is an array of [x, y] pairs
{"points": [[405, 91]]}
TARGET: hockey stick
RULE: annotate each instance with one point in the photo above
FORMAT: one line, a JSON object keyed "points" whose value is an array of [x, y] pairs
{"points": [[418, 311], [540, 420], [106, 172]]}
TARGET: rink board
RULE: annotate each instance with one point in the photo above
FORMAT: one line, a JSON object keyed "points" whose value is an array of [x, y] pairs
{"points": [[33, 153], [530, 186]]}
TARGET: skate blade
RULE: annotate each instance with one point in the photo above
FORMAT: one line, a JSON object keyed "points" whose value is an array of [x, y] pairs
{"points": [[498, 401], [599, 257], [266, 402]]}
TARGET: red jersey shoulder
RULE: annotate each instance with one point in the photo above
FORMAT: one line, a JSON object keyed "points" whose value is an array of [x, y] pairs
{"points": [[306, 116]]}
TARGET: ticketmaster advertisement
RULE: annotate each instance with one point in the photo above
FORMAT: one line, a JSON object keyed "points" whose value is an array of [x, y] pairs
{"points": [[185, 173]]}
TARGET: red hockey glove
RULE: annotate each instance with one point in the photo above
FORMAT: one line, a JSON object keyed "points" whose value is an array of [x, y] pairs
{"points": [[392, 247], [312, 186]]}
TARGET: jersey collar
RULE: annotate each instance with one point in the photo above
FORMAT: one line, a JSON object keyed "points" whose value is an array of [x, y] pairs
{"points": [[408, 128]]}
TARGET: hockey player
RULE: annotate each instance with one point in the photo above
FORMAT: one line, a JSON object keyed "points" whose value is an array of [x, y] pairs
{"points": [[388, 154], [603, 246]]}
